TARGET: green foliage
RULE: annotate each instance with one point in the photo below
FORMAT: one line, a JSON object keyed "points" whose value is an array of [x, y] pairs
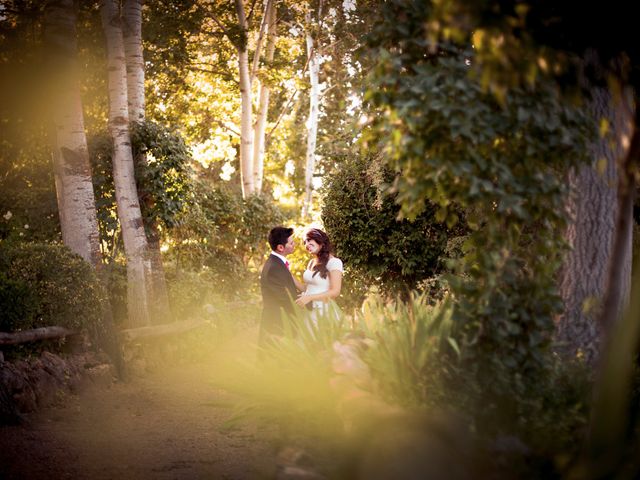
{"points": [[52, 286], [379, 249], [455, 145], [162, 178], [411, 347], [28, 206], [225, 234], [555, 40], [114, 276], [17, 302]]}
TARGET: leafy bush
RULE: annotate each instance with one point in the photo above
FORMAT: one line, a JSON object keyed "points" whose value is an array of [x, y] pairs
{"points": [[18, 304], [377, 248], [454, 144], [115, 278], [225, 234], [28, 205], [52, 286], [163, 181]]}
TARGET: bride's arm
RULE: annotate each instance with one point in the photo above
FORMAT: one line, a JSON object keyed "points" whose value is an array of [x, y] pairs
{"points": [[335, 285]]}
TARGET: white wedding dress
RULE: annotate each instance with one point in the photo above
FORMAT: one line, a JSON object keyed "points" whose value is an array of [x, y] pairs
{"points": [[316, 284]]}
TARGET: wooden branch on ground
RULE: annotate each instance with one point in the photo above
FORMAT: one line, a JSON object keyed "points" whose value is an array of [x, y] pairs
{"points": [[34, 335], [161, 330], [178, 327]]}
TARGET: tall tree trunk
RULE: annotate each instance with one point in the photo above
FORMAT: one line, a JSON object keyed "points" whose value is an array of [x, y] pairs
{"points": [[611, 412], [159, 308], [261, 120], [129, 214], [312, 123], [593, 209], [132, 34], [72, 169], [246, 126]]}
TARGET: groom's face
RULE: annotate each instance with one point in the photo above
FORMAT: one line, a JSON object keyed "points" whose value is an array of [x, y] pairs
{"points": [[289, 246]]}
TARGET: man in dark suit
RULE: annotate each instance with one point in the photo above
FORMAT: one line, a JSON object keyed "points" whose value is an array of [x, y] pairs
{"points": [[276, 283]]}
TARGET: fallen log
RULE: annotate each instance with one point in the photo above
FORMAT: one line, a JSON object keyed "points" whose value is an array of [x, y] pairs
{"points": [[34, 335], [180, 326], [160, 330]]}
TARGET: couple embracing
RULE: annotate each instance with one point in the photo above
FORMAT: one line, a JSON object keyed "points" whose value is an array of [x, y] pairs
{"points": [[281, 291]]}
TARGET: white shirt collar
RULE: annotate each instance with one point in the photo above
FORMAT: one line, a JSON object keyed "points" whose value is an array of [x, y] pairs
{"points": [[281, 257]]}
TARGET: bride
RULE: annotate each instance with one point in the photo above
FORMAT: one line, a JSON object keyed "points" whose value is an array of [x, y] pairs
{"points": [[323, 276]]}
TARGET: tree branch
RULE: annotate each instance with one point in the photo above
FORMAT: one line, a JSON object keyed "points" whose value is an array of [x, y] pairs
{"points": [[263, 28]]}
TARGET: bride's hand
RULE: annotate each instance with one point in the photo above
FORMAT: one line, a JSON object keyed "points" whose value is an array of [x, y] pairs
{"points": [[302, 300]]}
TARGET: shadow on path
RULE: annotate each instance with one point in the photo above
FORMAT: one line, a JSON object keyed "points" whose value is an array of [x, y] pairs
{"points": [[165, 425]]}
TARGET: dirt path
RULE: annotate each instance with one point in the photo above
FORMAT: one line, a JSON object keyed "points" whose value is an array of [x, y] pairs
{"points": [[164, 425]]}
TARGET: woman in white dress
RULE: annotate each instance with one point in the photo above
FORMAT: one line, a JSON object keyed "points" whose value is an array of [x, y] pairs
{"points": [[323, 276]]}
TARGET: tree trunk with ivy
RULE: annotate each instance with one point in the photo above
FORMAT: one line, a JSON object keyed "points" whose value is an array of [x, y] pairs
{"points": [[128, 206], [159, 307], [593, 208]]}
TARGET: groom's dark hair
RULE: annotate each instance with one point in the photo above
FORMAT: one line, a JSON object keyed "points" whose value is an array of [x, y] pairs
{"points": [[279, 236]]}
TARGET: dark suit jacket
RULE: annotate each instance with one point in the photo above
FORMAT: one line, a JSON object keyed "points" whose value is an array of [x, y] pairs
{"points": [[278, 294]]}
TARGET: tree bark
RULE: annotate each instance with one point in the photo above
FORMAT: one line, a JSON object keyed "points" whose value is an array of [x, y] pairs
{"points": [[592, 207], [132, 35], [261, 120], [611, 412], [619, 278], [72, 169], [312, 123], [246, 127], [74, 189], [159, 308], [36, 334], [128, 206]]}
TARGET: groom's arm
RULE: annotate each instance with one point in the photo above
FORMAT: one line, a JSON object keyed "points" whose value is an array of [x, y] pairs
{"points": [[281, 287]]}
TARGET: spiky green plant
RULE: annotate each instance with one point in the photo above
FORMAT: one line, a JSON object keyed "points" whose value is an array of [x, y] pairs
{"points": [[411, 345], [288, 381]]}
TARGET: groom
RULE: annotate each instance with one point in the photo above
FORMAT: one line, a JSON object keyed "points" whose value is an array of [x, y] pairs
{"points": [[276, 283]]}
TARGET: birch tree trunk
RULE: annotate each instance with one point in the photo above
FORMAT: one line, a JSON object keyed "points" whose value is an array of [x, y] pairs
{"points": [[246, 126], [261, 120], [159, 307], [129, 214], [132, 35], [592, 208], [312, 123], [72, 170]]}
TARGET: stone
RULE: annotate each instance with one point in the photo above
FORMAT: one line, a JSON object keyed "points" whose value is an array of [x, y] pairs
{"points": [[45, 386], [103, 375]]}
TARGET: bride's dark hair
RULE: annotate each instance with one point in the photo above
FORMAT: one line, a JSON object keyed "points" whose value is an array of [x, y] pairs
{"points": [[322, 239]]}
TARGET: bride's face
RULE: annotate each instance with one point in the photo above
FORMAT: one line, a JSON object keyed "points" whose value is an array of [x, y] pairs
{"points": [[311, 246]]}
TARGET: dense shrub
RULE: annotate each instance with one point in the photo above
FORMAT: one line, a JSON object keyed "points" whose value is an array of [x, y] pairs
{"points": [[46, 284], [502, 161], [377, 248], [18, 304], [226, 235]]}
